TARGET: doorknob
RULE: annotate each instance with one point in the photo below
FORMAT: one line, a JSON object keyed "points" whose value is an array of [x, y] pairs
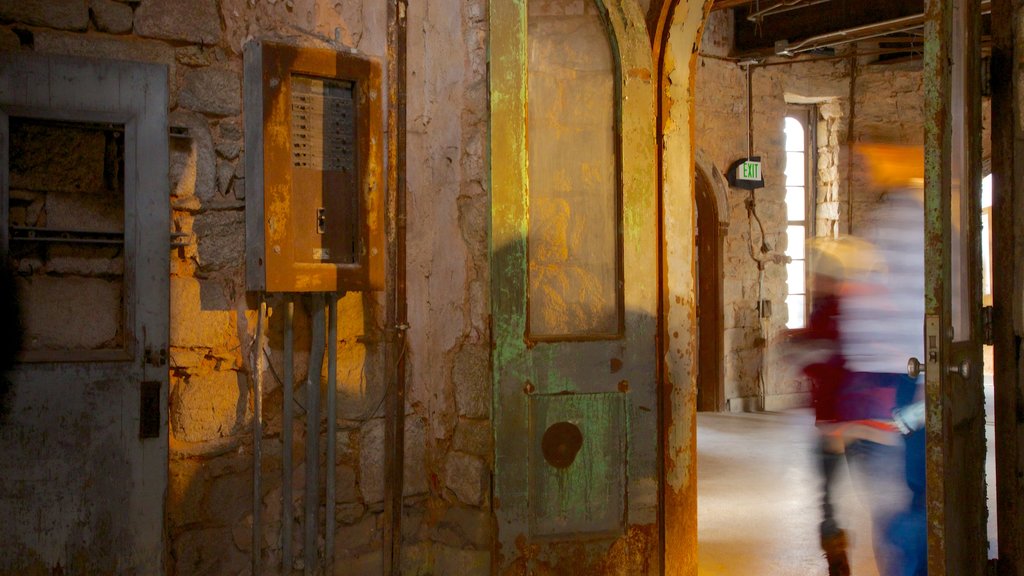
{"points": [[914, 368], [963, 369]]}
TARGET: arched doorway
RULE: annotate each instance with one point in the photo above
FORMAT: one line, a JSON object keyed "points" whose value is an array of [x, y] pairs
{"points": [[711, 335]]}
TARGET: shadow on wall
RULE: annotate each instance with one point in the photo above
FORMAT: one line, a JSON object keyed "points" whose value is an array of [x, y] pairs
{"points": [[209, 505]]}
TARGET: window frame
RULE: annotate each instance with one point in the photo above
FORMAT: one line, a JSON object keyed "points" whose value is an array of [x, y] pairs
{"points": [[806, 115]]}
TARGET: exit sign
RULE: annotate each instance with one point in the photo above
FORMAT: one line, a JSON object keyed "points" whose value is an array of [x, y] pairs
{"points": [[746, 173], [749, 170]]}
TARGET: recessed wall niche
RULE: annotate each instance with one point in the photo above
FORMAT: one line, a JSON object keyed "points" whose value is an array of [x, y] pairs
{"points": [[65, 234]]}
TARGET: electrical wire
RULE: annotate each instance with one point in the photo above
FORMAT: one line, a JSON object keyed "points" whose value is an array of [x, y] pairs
{"points": [[362, 377]]}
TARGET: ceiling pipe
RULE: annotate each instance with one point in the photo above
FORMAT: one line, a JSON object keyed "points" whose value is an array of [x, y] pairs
{"points": [[781, 7], [858, 33]]}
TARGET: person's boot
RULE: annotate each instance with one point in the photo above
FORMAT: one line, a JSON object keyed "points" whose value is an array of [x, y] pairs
{"points": [[835, 553]]}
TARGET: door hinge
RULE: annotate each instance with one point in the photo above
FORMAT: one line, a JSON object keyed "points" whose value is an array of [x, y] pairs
{"points": [[987, 335]]}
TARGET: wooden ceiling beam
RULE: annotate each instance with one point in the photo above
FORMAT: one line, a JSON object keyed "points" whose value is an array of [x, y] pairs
{"points": [[727, 4]]}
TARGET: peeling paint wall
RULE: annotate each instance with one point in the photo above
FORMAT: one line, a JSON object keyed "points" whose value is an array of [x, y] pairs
{"points": [[447, 528]]}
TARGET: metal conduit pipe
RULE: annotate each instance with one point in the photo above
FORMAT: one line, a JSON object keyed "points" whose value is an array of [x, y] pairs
{"points": [[332, 420], [286, 439], [395, 281], [257, 436], [312, 499]]}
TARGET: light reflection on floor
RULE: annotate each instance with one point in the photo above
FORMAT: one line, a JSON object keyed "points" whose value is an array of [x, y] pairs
{"points": [[757, 502]]}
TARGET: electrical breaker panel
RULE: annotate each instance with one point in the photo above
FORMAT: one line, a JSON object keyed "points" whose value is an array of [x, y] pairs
{"points": [[313, 168]]}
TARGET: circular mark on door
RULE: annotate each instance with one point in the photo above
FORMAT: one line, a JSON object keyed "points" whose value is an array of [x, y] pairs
{"points": [[561, 442]]}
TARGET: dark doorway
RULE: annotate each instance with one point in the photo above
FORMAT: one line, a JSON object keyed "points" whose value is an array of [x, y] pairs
{"points": [[710, 341]]}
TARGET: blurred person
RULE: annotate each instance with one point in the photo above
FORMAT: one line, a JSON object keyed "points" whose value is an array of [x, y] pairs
{"points": [[815, 350], [879, 407]]}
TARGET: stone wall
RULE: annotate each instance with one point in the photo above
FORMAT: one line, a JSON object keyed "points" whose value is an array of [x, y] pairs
{"points": [[887, 106], [448, 443]]}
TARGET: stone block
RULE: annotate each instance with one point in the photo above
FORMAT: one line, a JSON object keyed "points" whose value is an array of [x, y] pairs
{"points": [[466, 477], [464, 562], [371, 562], [412, 525], [60, 14], [192, 160], [349, 513], [225, 172], [229, 149], [195, 56], [71, 313], [371, 461], [345, 484], [85, 262], [9, 41], [230, 496], [78, 211], [230, 130], [195, 21], [220, 238], [57, 159], [185, 358], [356, 539], [464, 527], [208, 405], [207, 551], [195, 323], [110, 16], [238, 188], [415, 472], [186, 488], [216, 91], [473, 437], [472, 383]]}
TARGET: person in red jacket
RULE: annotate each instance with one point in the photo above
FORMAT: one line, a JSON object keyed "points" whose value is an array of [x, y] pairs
{"points": [[815, 350]]}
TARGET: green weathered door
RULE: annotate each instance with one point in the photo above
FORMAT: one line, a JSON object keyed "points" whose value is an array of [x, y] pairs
{"points": [[953, 339], [573, 285]]}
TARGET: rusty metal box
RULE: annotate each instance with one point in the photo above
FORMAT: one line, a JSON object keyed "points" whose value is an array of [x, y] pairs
{"points": [[313, 168]]}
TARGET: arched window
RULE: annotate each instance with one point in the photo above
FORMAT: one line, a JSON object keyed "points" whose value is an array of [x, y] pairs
{"points": [[799, 186]]}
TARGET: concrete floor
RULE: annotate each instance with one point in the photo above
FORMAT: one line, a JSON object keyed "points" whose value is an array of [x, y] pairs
{"points": [[757, 500], [758, 491]]}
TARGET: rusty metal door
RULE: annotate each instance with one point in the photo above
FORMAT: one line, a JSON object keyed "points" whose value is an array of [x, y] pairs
{"points": [[573, 288], [84, 212], [953, 357]]}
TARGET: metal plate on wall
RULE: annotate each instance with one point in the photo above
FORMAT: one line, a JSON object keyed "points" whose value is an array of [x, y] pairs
{"points": [[577, 464]]}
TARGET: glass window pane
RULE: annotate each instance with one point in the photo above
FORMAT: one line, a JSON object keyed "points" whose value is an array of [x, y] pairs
{"points": [[795, 304], [795, 200], [573, 191], [796, 169], [795, 277], [794, 135], [796, 240]]}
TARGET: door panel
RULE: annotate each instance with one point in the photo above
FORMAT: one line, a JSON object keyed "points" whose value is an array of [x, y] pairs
{"points": [[573, 288], [84, 449], [953, 365]]}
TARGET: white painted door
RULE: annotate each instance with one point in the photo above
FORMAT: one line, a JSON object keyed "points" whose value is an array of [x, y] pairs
{"points": [[84, 214]]}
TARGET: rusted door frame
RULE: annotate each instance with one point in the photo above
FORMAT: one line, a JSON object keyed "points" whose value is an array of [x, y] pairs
{"points": [[954, 398], [1007, 318]]}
